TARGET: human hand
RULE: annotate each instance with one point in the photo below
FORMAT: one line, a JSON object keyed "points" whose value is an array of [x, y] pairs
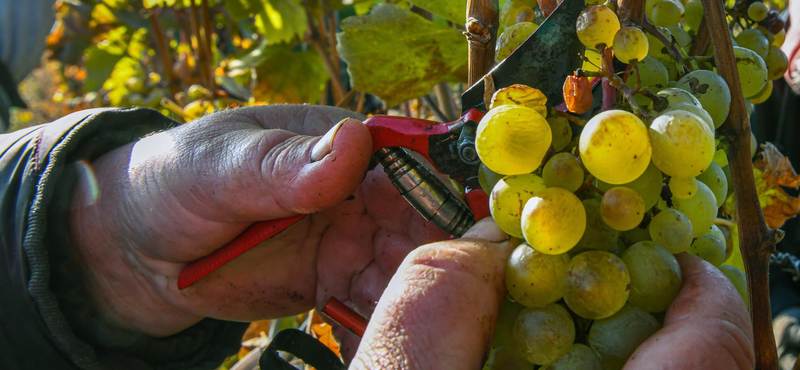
{"points": [[178, 195]]}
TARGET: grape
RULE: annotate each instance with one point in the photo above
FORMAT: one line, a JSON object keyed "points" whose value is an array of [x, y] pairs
{"points": [[510, 10], [488, 178], [754, 40], [614, 147], [739, 280], [512, 38], [729, 177], [752, 71], [563, 170], [598, 234], [749, 107], [675, 96], [525, 14], [543, 334], [693, 14], [682, 187], [648, 185], [714, 230], [622, 208], [721, 158], [667, 13], [712, 92], [506, 358], [135, 85], [696, 109], [593, 62], [506, 316], [709, 248], [578, 357], [656, 47], [525, 96], [617, 337], [672, 230], [681, 36], [597, 25], [780, 37], [577, 93], [767, 33], [762, 95], [535, 279], [512, 139], [655, 276], [508, 199], [715, 179], [777, 63], [654, 76], [553, 221], [562, 132], [757, 11], [635, 235], [700, 209], [753, 145], [683, 145], [597, 284], [197, 92], [136, 99], [630, 43]]}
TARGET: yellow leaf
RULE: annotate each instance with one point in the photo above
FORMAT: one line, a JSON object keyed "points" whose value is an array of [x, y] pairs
{"points": [[324, 333], [774, 171]]}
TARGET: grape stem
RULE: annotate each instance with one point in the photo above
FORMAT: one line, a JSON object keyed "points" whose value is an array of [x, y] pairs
{"points": [[609, 94], [681, 58], [613, 83]]}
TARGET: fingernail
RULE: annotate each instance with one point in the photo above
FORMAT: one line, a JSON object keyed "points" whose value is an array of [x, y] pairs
{"points": [[325, 145]]}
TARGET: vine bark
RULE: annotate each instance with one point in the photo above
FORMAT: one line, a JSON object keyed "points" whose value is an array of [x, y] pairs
{"points": [[481, 32]]}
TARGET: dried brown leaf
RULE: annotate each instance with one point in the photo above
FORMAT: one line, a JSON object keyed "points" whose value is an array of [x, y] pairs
{"points": [[773, 172]]}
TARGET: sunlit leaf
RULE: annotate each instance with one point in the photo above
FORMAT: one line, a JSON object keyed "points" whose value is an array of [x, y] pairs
{"points": [[103, 15], [99, 65], [287, 76], [277, 20], [452, 10], [398, 55]]}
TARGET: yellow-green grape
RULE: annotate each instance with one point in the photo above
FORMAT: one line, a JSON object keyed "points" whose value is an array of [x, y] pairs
{"points": [[693, 15], [683, 145], [197, 92], [617, 337], [777, 63], [525, 14], [653, 75], [578, 357], [598, 235], [739, 280], [593, 61], [714, 230], [506, 316], [752, 71], [753, 145], [672, 230], [675, 95], [682, 187], [563, 170], [135, 84], [648, 185], [729, 177], [535, 279], [488, 178], [614, 146], [656, 47], [720, 158], [506, 357], [523, 95], [562, 132], [714, 178], [754, 40], [622, 208], [512, 38], [510, 11], [630, 43], [136, 99], [508, 199], [553, 221], [635, 235], [543, 334], [512, 139], [700, 209], [709, 248], [696, 109], [681, 36], [597, 25], [648, 7], [655, 276], [597, 284], [712, 92], [762, 95], [780, 37], [667, 13], [757, 11]]}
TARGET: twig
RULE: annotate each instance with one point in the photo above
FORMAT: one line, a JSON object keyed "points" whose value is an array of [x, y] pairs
{"points": [[346, 100], [163, 52], [336, 79], [208, 32], [444, 95], [440, 116], [360, 106], [756, 240], [609, 93], [672, 46], [481, 32], [701, 40], [202, 60]]}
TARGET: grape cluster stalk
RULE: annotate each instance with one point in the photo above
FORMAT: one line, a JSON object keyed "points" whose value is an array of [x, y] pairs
{"points": [[601, 205]]}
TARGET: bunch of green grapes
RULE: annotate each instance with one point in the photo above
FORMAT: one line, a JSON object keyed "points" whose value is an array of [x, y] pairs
{"points": [[603, 204], [518, 20]]}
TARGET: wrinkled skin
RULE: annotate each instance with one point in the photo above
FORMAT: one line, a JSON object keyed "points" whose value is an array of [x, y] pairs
{"points": [[176, 196]]}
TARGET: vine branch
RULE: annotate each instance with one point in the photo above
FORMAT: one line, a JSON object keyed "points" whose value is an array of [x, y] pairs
{"points": [[481, 32]]}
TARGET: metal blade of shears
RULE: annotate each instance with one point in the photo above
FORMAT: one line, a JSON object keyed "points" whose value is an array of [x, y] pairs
{"points": [[543, 61]]}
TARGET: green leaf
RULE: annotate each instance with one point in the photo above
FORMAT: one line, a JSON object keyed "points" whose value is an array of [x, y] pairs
{"points": [[452, 10], [398, 55], [99, 64], [281, 20]]}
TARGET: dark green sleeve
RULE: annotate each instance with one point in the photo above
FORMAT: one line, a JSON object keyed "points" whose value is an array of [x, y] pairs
{"points": [[45, 322]]}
